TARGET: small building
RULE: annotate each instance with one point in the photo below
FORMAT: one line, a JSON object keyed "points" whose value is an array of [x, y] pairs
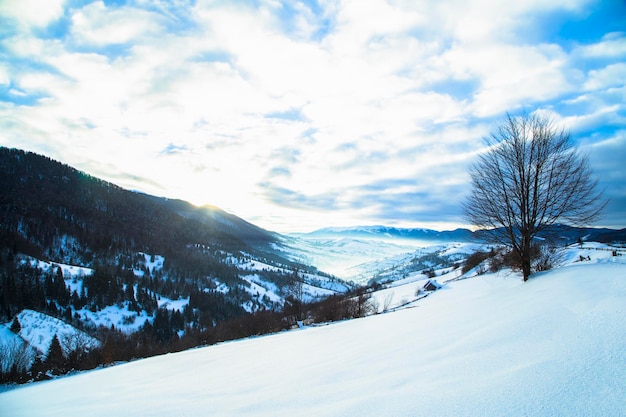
{"points": [[431, 285]]}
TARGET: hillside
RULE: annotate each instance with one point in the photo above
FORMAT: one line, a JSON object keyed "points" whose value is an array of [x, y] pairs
{"points": [[137, 275], [44, 200], [39, 329], [374, 254], [144, 274], [486, 345], [50, 211]]}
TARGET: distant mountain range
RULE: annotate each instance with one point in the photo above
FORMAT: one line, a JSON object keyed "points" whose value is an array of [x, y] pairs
{"points": [[559, 233], [386, 232]]}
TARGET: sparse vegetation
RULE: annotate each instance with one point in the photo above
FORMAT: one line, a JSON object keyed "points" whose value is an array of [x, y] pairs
{"points": [[474, 260], [547, 258]]}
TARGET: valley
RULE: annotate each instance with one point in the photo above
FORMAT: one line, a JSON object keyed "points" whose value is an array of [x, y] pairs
{"points": [[480, 345], [96, 280]]}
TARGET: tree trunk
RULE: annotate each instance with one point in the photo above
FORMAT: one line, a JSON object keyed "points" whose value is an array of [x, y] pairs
{"points": [[526, 267], [526, 239], [526, 262]]}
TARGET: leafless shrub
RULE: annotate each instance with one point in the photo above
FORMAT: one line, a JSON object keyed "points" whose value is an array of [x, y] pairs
{"points": [[387, 301], [474, 260], [16, 356], [548, 257]]}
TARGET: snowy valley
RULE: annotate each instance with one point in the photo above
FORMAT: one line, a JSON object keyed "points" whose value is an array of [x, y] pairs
{"points": [[483, 344], [113, 301]]}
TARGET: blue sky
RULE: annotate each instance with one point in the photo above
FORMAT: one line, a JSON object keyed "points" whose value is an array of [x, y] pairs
{"points": [[301, 114]]}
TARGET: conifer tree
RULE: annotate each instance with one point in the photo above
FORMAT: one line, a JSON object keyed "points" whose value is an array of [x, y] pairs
{"points": [[16, 326], [55, 361]]}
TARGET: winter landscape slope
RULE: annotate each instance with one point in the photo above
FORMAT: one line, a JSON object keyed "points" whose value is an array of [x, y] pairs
{"points": [[366, 254], [83, 250], [486, 345]]}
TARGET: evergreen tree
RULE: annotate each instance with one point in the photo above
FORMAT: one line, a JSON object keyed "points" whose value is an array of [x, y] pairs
{"points": [[55, 361], [16, 326]]}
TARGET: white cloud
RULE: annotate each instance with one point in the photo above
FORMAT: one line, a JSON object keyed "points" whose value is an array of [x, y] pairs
{"points": [[610, 76], [37, 13], [612, 45], [242, 104], [508, 75], [98, 25], [598, 116]]}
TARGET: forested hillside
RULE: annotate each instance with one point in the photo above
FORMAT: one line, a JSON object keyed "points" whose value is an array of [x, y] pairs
{"points": [[143, 274]]}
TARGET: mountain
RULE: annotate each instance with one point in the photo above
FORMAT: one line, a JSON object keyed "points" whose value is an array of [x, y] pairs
{"points": [[142, 273], [387, 232], [44, 200], [561, 234], [145, 275], [375, 254], [487, 345]]}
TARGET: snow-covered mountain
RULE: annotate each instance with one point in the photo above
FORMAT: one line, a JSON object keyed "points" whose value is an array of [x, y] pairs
{"points": [[145, 275], [100, 257], [367, 254], [560, 234], [488, 344], [379, 232], [33, 336], [341, 255], [371, 260]]}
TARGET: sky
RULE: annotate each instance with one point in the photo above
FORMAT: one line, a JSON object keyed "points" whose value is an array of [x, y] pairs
{"points": [[297, 115]]}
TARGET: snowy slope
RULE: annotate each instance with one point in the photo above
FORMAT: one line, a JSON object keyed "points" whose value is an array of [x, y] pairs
{"points": [[361, 259], [39, 329], [343, 256], [489, 346], [14, 349], [397, 267]]}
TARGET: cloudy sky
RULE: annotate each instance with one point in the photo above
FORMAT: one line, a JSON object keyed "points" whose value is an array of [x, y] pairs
{"points": [[300, 114]]}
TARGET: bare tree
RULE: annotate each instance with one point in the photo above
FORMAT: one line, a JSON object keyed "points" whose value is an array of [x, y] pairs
{"points": [[16, 355], [79, 348], [530, 178], [387, 301]]}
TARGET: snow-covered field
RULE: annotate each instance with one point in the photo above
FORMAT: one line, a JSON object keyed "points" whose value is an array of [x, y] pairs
{"points": [[361, 259], [490, 345], [343, 257]]}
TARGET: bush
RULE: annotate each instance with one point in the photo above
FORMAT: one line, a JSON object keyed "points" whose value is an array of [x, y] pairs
{"points": [[543, 258], [546, 258], [503, 258], [474, 260]]}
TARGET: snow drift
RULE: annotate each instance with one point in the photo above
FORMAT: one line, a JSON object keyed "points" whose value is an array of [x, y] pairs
{"points": [[489, 346]]}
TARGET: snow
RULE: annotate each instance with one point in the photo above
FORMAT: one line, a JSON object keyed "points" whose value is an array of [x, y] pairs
{"points": [[490, 345], [164, 302], [262, 288], [69, 271], [340, 256], [358, 260], [39, 329], [119, 316], [153, 262]]}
